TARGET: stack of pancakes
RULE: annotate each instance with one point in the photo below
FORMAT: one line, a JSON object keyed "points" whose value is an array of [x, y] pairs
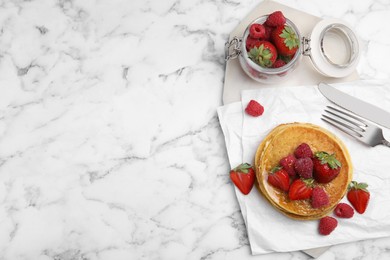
{"points": [[282, 141]]}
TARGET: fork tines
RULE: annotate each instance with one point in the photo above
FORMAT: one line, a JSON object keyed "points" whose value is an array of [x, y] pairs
{"points": [[344, 121]]}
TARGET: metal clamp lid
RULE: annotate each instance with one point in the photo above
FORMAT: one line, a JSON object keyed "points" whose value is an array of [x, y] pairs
{"points": [[333, 48], [233, 48], [347, 35], [306, 46]]}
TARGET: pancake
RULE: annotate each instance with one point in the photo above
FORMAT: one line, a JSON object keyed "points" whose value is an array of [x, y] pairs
{"points": [[283, 140]]}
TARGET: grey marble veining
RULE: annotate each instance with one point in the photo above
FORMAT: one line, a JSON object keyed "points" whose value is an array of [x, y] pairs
{"points": [[110, 146]]}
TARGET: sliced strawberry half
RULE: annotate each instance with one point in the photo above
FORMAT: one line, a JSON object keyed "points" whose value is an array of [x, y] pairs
{"points": [[243, 176], [278, 177], [301, 189], [358, 196]]}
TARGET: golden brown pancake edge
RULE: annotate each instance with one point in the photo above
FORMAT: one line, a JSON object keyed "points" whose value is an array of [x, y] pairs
{"points": [[270, 151]]}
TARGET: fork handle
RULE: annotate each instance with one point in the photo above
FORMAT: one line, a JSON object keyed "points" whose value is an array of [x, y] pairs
{"points": [[385, 142]]}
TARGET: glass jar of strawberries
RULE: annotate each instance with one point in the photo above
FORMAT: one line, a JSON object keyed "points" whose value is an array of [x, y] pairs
{"points": [[271, 47]]}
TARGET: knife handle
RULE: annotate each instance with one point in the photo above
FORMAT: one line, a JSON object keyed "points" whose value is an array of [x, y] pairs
{"points": [[385, 142]]}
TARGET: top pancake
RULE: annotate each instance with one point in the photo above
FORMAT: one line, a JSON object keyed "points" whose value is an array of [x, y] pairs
{"points": [[282, 141]]}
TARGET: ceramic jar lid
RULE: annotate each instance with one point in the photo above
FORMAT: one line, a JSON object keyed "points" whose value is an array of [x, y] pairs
{"points": [[333, 47]]}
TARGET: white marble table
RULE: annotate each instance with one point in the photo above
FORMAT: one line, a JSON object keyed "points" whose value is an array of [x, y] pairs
{"points": [[110, 146]]}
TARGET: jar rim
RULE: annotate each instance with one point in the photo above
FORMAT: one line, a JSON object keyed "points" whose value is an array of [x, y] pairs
{"points": [[348, 35], [261, 69], [341, 31]]}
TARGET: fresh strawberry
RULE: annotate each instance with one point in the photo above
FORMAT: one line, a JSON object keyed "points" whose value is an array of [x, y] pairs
{"points": [[254, 108], [304, 167], [358, 196], [319, 198], [279, 178], [301, 189], [303, 150], [279, 63], [243, 176], [257, 31], [263, 53], [275, 19], [326, 167], [327, 225], [285, 40], [288, 164], [343, 210]]}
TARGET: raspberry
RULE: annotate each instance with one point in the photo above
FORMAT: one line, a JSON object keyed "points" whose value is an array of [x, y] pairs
{"points": [[303, 150], [288, 164], [327, 225], [275, 19], [278, 63], [304, 167], [267, 34], [251, 43], [319, 198], [343, 210], [257, 31], [254, 108]]}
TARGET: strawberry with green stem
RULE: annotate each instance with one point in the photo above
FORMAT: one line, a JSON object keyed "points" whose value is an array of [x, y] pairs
{"points": [[285, 40], [301, 189], [325, 167], [243, 176], [263, 53], [279, 178], [358, 196]]}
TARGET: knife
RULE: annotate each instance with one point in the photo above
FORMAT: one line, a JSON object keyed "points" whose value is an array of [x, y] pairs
{"points": [[355, 105]]}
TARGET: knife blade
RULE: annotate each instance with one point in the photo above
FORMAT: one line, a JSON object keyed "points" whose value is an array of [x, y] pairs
{"points": [[355, 105]]}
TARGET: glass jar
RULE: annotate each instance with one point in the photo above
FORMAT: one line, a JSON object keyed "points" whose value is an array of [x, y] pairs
{"points": [[332, 47]]}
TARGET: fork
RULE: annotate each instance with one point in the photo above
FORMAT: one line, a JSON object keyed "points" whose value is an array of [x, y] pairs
{"points": [[355, 126]]}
